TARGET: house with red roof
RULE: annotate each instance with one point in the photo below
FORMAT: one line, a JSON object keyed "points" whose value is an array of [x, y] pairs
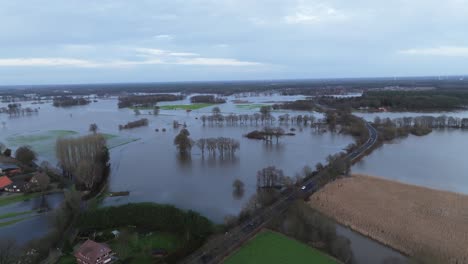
{"points": [[91, 252], [4, 182]]}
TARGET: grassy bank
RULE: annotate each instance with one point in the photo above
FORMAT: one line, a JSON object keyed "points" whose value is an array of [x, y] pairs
{"points": [[12, 222], [14, 198], [273, 248], [15, 214]]}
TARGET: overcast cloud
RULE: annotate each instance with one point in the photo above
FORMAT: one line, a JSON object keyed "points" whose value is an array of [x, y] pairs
{"points": [[88, 41]]}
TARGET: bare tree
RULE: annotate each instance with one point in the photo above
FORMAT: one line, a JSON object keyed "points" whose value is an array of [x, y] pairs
{"points": [[86, 158], [2, 148], [93, 128], [270, 177], [201, 143], [238, 187]]}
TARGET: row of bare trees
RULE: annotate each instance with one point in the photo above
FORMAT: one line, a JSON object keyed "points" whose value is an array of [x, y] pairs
{"points": [[85, 159], [15, 110], [425, 121], [223, 146]]}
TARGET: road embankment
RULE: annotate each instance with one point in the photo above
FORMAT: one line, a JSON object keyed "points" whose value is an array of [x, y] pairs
{"points": [[408, 218]]}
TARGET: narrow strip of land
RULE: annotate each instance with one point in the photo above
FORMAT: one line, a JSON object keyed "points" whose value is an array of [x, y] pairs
{"points": [[408, 218]]}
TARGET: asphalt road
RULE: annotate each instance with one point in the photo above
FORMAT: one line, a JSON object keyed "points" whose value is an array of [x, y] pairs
{"points": [[216, 249]]}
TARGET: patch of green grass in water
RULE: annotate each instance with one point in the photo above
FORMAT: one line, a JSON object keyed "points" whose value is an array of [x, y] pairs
{"points": [[185, 107], [273, 248], [249, 106], [39, 137]]}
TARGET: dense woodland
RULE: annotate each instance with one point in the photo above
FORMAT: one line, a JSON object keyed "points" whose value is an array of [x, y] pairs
{"points": [[147, 100], [64, 101], [208, 99], [431, 100]]}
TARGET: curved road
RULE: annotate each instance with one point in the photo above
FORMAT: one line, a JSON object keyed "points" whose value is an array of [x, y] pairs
{"points": [[216, 249]]}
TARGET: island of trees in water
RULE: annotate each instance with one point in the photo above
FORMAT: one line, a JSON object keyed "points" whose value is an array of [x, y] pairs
{"points": [[146, 101], [64, 101], [208, 99]]}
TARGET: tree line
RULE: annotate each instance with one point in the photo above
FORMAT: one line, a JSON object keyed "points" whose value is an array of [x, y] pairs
{"points": [[146, 100], [208, 99], [133, 124], [428, 100], [225, 147], [15, 110], [64, 101], [263, 117], [442, 121], [299, 105]]}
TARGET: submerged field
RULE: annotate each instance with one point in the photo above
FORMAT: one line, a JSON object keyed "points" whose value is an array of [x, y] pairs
{"points": [[43, 142], [409, 218], [273, 248]]}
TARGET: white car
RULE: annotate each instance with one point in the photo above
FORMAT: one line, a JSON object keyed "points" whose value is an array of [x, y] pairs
{"points": [[303, 187]]}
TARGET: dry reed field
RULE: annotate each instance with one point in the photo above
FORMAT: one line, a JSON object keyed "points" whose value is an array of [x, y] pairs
{"points": [[408, 218]]}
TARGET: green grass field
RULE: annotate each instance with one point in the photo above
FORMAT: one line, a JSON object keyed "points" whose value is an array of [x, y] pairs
{"points": [[185, 107], [273, 248], [249, 106]]}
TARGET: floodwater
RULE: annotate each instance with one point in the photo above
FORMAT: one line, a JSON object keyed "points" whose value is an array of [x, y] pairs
{"points": [[35, 225], [367, 251], [436, 160], [151, 169]]}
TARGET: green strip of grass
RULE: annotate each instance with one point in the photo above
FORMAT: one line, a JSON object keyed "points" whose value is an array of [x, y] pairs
{"points": [[185, 107], [273, 248], [17, 198], [12, 222], [15, 214], [249, 106]]}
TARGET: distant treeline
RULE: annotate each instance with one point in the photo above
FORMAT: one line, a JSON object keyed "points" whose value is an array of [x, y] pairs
{"points": [[300, 105], [288, 87], [147, 100], [133, 124], [431, 100], [65, 101], [209, 99]]}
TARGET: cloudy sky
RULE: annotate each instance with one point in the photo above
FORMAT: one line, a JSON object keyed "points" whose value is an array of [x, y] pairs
{"points": [[93, 41]]}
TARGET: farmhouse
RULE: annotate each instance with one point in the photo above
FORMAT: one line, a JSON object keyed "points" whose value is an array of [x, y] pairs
{"points": [[4, 182], [91, 252], [9, 169]]}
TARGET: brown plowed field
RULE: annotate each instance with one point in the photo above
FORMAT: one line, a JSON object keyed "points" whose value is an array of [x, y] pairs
{"points": [[408, 218]]}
